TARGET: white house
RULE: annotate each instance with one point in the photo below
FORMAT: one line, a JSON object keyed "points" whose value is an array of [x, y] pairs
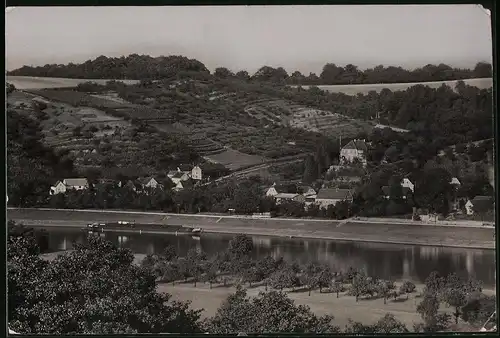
{"points": [[454, 181], [354, 150], [196, 173], [69, 184], [149, 182], [332, 196], [179, 176], [406, 183]]}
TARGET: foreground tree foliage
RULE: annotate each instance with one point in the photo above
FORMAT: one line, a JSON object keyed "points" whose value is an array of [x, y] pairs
{"points": [[270, 312], [94, 289]]}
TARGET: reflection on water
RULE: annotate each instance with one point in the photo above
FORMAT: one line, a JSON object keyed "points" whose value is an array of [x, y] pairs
{"points": [[378, 260]]}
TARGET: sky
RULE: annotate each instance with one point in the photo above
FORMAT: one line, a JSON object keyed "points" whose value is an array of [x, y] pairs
{"points": [[302, 38]]}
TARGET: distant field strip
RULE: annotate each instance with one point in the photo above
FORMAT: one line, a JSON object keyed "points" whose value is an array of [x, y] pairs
{"points": [[365, 88], [29, 82]]}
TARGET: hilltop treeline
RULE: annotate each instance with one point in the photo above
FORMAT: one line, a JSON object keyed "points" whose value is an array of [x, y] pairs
{"points": [[146, 67]]}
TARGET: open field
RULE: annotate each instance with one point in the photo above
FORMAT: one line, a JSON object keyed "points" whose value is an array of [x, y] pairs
{"points": [[366, 231], [234, 160], [365, 88], [29, 82], [366, 311]]}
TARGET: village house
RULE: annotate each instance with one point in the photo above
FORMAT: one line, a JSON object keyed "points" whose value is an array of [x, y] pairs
{"points": [[69, 184], [275, 189], [179, 176], [127, 184], [331, 196], [306, 190], [149, 183], [354, 150], [455, 182], [406, 183], [479, 202], [196, 173], [289, 197], [181, 185]]}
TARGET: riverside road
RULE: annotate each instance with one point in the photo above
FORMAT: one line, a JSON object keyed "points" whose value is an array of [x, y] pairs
{"points": [[413, 234]]}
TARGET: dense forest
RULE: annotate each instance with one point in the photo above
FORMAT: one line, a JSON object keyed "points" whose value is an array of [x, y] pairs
{"points": [[146, 67]]}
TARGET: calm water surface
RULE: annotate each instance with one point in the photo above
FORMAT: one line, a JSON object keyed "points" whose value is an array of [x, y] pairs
{"points": [[381, 260]]}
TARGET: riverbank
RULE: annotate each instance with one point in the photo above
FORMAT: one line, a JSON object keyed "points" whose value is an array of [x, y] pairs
{"points": [[348, 230]]}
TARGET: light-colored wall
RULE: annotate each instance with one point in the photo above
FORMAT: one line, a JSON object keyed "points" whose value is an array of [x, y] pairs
{"points": [[196, 173]]}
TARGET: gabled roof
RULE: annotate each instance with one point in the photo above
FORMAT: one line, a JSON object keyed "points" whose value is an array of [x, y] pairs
{"points": [[185, 167], [186, 184], [482, 200], [145, 180], [178, 174], [283, 188], [334, 194], [356, 144], [455, 180], [172, 172], [71, 182], [286, 195]]}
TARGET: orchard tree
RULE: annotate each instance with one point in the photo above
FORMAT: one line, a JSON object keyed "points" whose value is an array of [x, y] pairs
{"points": [[271, 312], [407, 287], [95, 289], [241, 245]]}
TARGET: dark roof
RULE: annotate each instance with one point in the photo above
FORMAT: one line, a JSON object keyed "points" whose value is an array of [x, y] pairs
{"points": [[145, 180], [356, 144], [178, 174], [334, 194], [285, 188], [187, 184], [482, 200], [185, 167]]}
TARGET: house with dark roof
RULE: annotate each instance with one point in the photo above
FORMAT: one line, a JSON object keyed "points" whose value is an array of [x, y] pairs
{"points": [[479, 203], [280, 188], [306, 190], [129, 184], [354, 150], [331, 196], [289, 197], [69, 184], [181, 185], [149, 183]]}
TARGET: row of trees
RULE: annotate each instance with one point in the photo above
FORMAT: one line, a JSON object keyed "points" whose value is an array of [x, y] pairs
{"points": [[96, 289], [145, 67]]}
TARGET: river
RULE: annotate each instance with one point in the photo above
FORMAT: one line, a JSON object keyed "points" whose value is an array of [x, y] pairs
{"points": [[398, 262]]}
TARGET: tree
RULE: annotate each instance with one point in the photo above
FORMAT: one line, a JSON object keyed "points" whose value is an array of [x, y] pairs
{"points": [[95, 289], [428, 310], [434, 283], [241, 245], [223, 73], [456, 298], [271, 312], [212, 272], [359, 285], [389, 324], [169, 253], [310, 276], [324, 278], [283, 278], [383, 289], [407, 287], [337, 287]]}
